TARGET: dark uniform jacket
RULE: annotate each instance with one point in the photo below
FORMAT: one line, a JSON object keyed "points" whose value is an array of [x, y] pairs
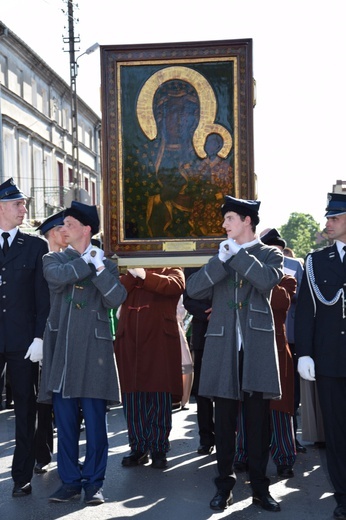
{"points": [[197, 309], [24, 293], [320, 328]]}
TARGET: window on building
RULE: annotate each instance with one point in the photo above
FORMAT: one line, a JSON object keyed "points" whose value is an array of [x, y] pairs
{"points": [[70, 177], [81, 133], [9, 157], [19, 86], [34, 92], [61, 183], [40, 208], [45, 102], [24, 166], [93, 192], [3, 70], [66, 119], [90, 140]]}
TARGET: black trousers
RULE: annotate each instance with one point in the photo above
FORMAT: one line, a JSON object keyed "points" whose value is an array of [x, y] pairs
{"points": [[258, 434], [332, 396], [205, 406], [23, 374], [44, 434]]}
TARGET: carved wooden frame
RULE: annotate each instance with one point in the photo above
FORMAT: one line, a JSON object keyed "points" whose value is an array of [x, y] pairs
{"points": [[152, 217]]}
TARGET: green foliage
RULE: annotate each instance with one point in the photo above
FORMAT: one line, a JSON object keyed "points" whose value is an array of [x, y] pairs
{"points": [[302, 234]]}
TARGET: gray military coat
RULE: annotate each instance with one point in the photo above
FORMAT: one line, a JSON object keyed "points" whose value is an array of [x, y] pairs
{"points": [[78, 354], [240, 292]]}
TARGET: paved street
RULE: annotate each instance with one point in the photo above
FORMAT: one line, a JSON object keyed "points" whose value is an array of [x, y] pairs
{"points": [[181, 492]]}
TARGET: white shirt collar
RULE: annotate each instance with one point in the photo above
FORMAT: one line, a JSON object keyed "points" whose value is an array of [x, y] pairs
{"points": [[249, 244], [340, 245], [12, 233], [87, 249]]}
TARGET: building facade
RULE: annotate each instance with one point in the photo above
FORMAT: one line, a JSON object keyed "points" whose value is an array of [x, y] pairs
{"points": [[36, 147]]}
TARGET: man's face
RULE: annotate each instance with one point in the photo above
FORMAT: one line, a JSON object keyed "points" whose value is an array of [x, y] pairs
{"points": [[233, 225], [12, 213], [59, 236], [336, 228], [73, 231]]}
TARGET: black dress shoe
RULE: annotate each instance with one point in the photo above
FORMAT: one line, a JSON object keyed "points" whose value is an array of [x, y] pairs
{"points": [[221, 500], [340, 512], [135, 458], [40, 468], [21, 490], [320, 444], [159, 460], [267, 502], [205, 449], [285, 471], [240, 467], [300, 448]]}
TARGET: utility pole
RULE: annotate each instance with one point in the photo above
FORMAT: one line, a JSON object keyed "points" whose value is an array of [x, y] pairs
{"points": [[72, 40]]}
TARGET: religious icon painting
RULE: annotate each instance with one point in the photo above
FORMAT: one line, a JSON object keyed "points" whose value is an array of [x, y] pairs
{"points": [[177, 136]]}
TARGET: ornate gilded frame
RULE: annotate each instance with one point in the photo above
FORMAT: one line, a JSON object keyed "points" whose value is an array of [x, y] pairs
{"points": [[177, 135]]}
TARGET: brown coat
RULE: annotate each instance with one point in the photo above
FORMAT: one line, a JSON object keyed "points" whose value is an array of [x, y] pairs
{"points": [[147, 343], [280, 303]]}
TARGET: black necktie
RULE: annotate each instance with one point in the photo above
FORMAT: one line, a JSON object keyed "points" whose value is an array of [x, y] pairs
{"points": [[344, 259], [6, 245]]}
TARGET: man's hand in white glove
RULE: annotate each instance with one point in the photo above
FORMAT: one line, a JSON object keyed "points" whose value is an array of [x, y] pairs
{"points": [[86, 257], [35, 351], [306, 368], [224, 252], [227, 249], [233, 246], [96, 257], [138, 271]]}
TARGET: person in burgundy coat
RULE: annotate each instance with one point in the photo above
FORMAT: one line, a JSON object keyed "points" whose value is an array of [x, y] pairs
{"points": [[148, 354]]}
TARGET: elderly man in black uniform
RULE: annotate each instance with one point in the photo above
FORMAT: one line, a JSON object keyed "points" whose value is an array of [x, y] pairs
{"points": [[24, 309], [320, 333]]}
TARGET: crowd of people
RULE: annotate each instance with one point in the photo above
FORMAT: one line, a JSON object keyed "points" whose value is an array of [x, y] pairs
{"points": [[267, 331]]}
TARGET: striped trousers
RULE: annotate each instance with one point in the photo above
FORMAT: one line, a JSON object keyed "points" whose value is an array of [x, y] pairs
{"points": [[149, 420]]}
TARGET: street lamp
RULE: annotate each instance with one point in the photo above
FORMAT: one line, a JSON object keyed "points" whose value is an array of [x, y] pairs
{"points": [[89, 50]]}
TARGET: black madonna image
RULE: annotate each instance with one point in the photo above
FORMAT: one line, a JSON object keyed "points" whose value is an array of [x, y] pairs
{"points": [[182, 163]]}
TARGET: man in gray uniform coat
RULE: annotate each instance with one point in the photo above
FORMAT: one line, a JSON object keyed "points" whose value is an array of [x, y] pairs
{"points": [[78, 367], [240, 356]]}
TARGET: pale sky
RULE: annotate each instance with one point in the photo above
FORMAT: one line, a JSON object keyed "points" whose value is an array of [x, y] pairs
{"points": [[298, 63]]}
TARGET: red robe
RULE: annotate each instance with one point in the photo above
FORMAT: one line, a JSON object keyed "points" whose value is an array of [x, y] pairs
{"points": [[280, 303], [147, 343]]}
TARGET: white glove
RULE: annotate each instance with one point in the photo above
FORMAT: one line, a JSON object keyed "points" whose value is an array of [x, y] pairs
{"points": [[35, 351], [233, 246], [96, 257], [224, 252], [228, 248], [86, 257], [306, 368], [138, 271], [117, 314]]}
